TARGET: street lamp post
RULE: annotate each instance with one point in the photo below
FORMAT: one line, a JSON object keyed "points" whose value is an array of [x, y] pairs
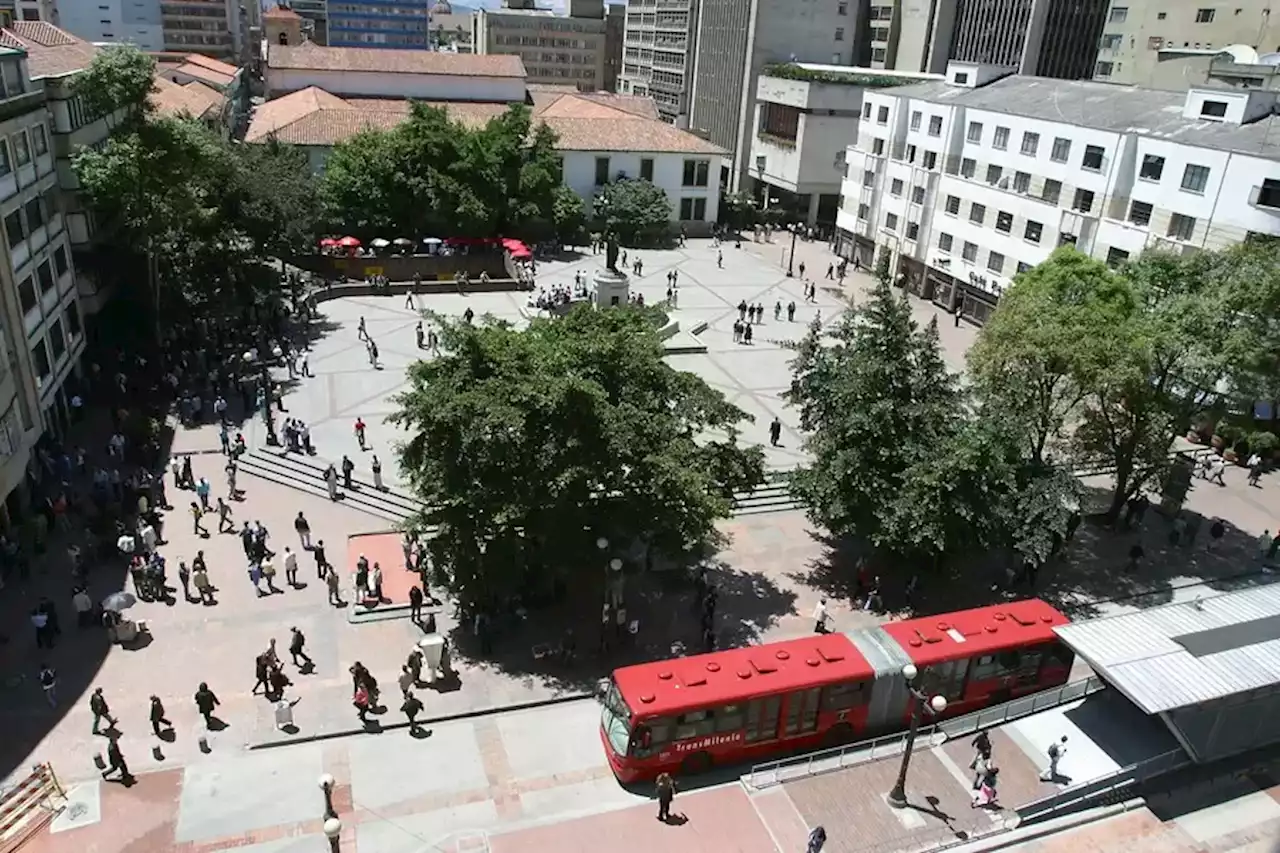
{"points": [[795, 231], [919, 703], [333, 831], [326, 784]]}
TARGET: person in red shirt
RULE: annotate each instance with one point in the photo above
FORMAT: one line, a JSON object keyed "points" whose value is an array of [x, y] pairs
{"points": [[360, 432]]}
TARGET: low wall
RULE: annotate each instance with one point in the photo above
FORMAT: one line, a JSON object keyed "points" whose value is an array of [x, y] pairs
{"points": [[404, 267], [361, 288]]}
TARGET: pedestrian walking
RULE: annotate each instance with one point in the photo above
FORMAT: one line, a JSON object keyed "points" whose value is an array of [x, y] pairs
{"points": [[406, 680], [335, 589], [1135, 556], [359, 430], [665, 787], [331, 482], [303, 529], [981, 758], [297, 642], [196, 514], [348, 467], [261, 674], [817, 837], [415, 604], [821, 617], [48, 679], [116, 762], [290, 567], [98, 707], [184, 578], [361, 700], [206, 701], [268, 569], [775, 432], [157, 716], [1056, 752], [411, 708], [225, 524], [200, 578], [376, 465], [317, 551]]}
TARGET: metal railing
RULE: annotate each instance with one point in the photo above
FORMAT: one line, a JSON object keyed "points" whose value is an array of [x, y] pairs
{"points": [[837, 758], [1083, 793]]}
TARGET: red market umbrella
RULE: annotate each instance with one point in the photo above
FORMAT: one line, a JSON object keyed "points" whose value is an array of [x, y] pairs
{"points": [[349, 242], [521, 253], [328, 241]]}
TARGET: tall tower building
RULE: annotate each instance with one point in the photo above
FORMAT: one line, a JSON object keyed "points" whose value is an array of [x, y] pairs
{"points": [[1043, 38], [659, 40]]}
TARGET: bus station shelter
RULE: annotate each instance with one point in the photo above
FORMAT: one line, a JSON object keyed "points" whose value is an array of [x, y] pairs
{"points": [[1209, 669]]}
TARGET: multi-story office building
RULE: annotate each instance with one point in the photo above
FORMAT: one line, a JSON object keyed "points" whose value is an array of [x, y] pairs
{"points": [[736, 40], [615, 25], [568, 49], [967, 182], [659, 40], [1170, 45], [1045, 38], [138, 23], [374, 23]]}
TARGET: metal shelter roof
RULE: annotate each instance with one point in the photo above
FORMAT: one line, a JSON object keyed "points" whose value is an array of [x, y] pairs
{"points": [[1188, 653]]}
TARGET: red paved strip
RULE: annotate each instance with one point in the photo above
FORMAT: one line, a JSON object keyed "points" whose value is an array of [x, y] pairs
{"points": [[386, 550], [718, 821]]}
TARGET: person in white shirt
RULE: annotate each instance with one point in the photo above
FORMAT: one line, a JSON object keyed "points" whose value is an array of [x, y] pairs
{"points": [[290, 567], [820, 617]]}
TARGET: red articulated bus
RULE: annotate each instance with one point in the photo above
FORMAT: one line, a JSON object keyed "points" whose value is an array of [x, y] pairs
{"points": [[687, 714]]}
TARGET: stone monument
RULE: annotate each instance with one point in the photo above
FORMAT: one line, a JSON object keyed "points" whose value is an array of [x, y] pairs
{"points": [[613, 287]]}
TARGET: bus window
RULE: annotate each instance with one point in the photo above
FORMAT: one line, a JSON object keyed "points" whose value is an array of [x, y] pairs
{"points": [[985, 667], [730, 718], [802, 711], [841, 697], [947, 679], [694, 724], [762, 718]]}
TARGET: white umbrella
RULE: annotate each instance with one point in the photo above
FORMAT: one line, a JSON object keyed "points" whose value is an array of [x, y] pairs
{"points": [[432, 241], [117, 601], [379, 243], [403, 241]]}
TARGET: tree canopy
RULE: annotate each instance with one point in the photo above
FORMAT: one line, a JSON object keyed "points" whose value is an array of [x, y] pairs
{"points": [[433, 175], [527, 446], [634, 212], [119, 78]]}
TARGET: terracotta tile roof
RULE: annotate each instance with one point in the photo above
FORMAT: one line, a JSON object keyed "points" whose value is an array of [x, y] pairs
{"points": [[212, 64], [279, 13], [208, 75], [194, 99], [51, 52], [309, 56], [315, 117]]}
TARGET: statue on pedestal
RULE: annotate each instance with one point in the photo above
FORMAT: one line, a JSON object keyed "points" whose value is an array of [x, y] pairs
{"points": [[610, 252]]}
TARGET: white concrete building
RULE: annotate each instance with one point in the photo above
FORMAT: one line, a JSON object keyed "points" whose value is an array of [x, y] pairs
{"points": [[966, 182], [602, 137], [805, 115]]}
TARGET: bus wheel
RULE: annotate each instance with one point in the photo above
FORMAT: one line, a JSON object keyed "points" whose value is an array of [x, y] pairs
{"points": [[699, 762], [838, 735]]}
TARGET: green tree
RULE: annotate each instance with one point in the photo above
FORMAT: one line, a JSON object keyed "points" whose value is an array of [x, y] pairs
{"points": [[882, 272], [119, 78], [738, 211], [633, 212], [529, 445], [569, 216], [274, 201]]}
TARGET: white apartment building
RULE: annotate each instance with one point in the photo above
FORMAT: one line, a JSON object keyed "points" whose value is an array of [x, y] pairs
{"points": [[966, 182], [658, 51]]}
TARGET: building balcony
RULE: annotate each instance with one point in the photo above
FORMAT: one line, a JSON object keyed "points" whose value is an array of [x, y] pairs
{"points": [[773, 139], [1166, 244], [22, 103], [1266, 196]]}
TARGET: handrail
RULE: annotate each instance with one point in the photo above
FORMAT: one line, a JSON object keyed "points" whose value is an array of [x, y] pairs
{"points": [[836, 758], [1124, 777]]}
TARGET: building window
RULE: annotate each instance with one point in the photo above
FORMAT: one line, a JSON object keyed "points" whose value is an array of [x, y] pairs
{"points": [[882, 115], [863, 211], [1119, 14], [1204, 16], [57, 340], [895, 187], [696, 173], [1030, 143], [878, 54], [1094, 156], [1001, 139], [977, 213], [1083, 201], [995, 262], [917, 195], [1004, 222], [41, 358], [38, 140], [1033, 232], [602, 171], [1182, 227], [1111, 41], [1140, 213], [868, 178], [911, 153], [44, 273], [967, 167], [916, 117], [842, 9], [1194, 178], [839, 33], [13, 228], [35, 214], [693, 209], [646, 168], [891, 221], [21, 151], [945, 241], [1052, 191], [1021, 182], [969, 252], [1103, 69], [5, 166], [60, 260], [1268, 194], [935, 125], [1023, 267], [993, 174], [73, 320], [1152, 167], [1213, 109], [877, 147], [930, 160], [913, 230], [1116, 257], [1061, 150], [866, 110], [975, 131], [27, 295], [953, 204]]}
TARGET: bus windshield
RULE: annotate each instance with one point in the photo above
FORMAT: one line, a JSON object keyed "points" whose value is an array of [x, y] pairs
{"points": [[615, 719]]}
